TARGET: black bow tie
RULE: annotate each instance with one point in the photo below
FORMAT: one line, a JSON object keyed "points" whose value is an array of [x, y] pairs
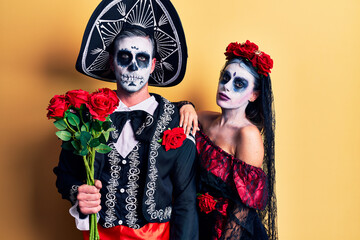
{"points": [[141, 123]]}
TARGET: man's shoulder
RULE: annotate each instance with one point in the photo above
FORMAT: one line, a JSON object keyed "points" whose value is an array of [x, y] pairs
{"points": [[191, 139], [163, 101], [168, 107]]}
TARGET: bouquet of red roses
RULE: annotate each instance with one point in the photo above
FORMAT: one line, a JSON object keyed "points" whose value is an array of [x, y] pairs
{"points": [[84, 126]]}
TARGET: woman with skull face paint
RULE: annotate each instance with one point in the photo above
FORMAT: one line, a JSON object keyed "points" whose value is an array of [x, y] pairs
{"points": [[236, 195]]}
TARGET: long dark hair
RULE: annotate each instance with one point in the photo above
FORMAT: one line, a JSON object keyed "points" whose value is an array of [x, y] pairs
{"points": [[261, 113]]}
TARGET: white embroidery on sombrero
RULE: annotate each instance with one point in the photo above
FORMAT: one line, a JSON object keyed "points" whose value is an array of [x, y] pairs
{"points": [[163, 20], [166, 45], [158, 74], [168, 66], [121, 8], [96, 51], [109, 30], [100, 62], [141, 15]]}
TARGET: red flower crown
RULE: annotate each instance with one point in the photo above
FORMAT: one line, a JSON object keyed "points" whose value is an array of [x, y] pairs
{"points": [[250, 51]]}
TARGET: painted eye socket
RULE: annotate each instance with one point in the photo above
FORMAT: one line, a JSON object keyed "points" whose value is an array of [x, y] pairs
{"points": [[225, 77], [124, 55], [124, 58], [141, 58], [240, 83]]}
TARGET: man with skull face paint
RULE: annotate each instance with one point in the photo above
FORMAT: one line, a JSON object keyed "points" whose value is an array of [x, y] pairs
{"points": [[143, 191], [133, 60]]}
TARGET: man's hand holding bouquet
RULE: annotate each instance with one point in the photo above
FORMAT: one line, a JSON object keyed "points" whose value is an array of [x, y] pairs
{"points": [[84, 127]]}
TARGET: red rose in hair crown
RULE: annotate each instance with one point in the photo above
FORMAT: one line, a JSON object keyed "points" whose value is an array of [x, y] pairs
{"points": [[173, 138], [250, 51]]}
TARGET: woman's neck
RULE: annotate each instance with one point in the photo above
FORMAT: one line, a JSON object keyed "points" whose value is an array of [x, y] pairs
{"points": [[235, 116]]}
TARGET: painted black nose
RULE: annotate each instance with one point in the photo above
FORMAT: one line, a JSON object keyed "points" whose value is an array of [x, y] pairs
{"points": [[133, 67]]}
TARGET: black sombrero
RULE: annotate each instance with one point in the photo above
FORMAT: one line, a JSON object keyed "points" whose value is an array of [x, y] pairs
{"points": [[113, 16]]}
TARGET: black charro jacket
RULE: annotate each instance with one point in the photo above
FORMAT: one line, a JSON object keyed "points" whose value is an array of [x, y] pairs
{"points": [[169, 191]]}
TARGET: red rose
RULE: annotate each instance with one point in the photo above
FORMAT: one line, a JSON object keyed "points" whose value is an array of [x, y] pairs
{"points": [[264, 63], [77, 97], [111, 94], [248, 50], [57, 107], [174, 138], [250, 47], [232, 46], [239, 52], [230, 49], [206, 203], [102, 103]]}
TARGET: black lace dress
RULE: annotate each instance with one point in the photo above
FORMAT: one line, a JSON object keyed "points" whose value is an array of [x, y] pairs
{"points": [[230, 194]]}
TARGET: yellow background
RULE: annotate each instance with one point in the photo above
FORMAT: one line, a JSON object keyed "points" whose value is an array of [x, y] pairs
{"points": [[315, 47]]}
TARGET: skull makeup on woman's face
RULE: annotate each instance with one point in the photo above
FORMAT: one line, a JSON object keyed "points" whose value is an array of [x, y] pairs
{"points": [[235, 87], [133, 62]]}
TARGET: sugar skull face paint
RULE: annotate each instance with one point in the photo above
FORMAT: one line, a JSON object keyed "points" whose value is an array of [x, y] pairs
{"points": [[133, 62], [235, 87]]}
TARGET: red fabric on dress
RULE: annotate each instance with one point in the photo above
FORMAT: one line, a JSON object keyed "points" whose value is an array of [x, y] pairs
{"points": [[151, 231]]}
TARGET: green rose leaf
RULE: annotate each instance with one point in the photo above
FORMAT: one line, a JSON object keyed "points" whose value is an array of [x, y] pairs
{"points": [[77, 135], [76, 145], [103, 148], [60, 124], [106, 125], [83, 128], [94, 143], [106, 135], [63, 135], [102, 138], [111, 129], [67, 146], [85, 138], [96, 126], [84, 152], [73, 119]]}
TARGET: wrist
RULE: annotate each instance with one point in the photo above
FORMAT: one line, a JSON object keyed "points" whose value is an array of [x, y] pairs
{"points": [[182, 103]]}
